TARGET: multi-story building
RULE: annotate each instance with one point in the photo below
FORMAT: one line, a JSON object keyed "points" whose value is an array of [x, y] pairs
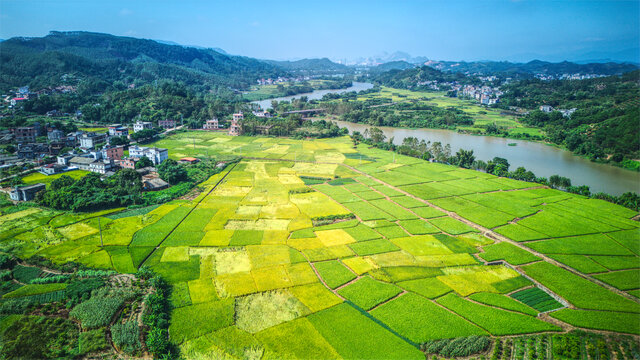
{"points": [[118, 130], [211, 124], [156, 155], [102, 166], [113, 152], [25, 134], [167, 124], [236, 124], [128, 163], [90, 140], [142, 125]]}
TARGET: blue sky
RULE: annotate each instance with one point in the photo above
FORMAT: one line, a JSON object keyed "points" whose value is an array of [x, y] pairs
{"points": [[444, 30]]}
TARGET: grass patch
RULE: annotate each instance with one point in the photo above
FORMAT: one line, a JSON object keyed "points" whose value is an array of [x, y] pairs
{"points": [[496, 321], [356, 336], [189, 322], [367, 293], [420, 320], [334, 273], [507, 252]]}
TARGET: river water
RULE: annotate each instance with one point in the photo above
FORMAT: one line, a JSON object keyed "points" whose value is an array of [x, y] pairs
{"points": [[316, 95], [542, 159]]}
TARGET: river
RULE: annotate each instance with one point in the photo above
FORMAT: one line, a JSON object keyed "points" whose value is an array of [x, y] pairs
{"points": [[316, 94], [542, 159]]}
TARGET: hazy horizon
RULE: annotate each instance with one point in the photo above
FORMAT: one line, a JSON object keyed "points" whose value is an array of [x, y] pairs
{"points": [[460, 30]]}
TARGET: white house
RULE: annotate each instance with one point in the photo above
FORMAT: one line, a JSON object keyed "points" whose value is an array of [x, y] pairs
{"points": [[142, 125], [156, 155]]}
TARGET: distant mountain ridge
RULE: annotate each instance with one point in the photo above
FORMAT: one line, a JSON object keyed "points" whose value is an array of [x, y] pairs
{"points": [[532, 67], [43, 60], [310, 65]]}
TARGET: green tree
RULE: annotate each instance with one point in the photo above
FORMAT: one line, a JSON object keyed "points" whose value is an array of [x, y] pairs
{"points": [[143, 162], [172, 172]]}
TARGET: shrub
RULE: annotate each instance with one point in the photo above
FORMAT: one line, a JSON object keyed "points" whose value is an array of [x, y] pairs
{"points": [[126, 337], [50, 279], [99, 309], [92, 341], [457, 347]]}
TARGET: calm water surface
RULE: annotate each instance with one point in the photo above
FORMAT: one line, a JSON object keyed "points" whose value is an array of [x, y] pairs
{"points": [[543, 160]]}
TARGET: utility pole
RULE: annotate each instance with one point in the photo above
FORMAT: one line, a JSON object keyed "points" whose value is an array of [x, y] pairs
{"points": [[100, 227]]}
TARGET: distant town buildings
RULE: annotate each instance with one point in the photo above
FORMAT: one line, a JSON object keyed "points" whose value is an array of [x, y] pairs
{"points": [[236, 124]]}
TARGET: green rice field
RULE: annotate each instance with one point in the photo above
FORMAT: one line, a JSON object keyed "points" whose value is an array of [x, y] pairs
{"points": [[251, 272]]}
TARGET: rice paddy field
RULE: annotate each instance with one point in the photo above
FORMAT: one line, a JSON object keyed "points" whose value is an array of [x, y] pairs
{"points": [[420, 251]]}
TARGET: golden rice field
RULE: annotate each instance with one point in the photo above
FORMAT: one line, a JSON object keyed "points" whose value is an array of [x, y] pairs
{"points": [[253, 277]]}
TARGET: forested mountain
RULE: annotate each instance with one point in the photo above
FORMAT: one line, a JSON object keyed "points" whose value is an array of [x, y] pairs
{"points": [[506, 68], [41, 62], [392, 65], [408, 79], [323, 65]]}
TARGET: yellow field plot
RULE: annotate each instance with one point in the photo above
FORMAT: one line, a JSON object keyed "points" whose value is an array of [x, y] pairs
{"points": [[207, 266], [202, 290], [279, 211], [301, 274], [271, 278], [227, 262], [216, 238], [360, 265], [396, 258], [341, 251], [305, 243], [219, 139], [268, 255], [391, 166], [19, 214], [260, 224], [317, 204], [290, 179], [320, 170], [469, 280], [316, 297], [261, 140], [175, 253], [301, 222], [203, 251], [330, 157], [256, 198], [236, 284], [334, 237], [446, 260], [77, 231], [422, 245], [247, 212], [230, 190], [275, 237], [310, 146], [277, 149]]}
